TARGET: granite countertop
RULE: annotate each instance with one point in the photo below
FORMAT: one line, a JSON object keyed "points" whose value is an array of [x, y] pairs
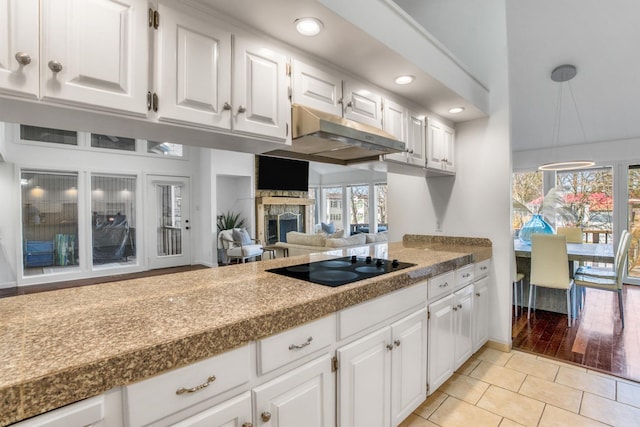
{"points": [[63, 346]]}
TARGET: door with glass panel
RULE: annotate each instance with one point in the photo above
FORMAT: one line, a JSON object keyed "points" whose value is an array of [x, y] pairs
{"points": [[633, 224], [169, 230]]}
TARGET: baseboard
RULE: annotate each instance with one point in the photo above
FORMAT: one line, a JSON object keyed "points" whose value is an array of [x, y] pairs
{"points": [[6, 285], [498, 346]]}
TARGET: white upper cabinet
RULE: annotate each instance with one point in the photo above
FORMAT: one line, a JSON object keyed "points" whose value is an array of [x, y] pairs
{"points": [[440, 146], [192, 70], [394, 119], [95, 52], [260, 90], [362, 105], [19, 47], [316, 88], [416, 140]]}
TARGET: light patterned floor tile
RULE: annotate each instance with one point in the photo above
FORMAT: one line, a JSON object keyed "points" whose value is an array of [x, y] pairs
{"points": [[508, 404], [562, 396], [629, 393], [608, 411], [506, 422], [556, 417], [498, 375], [454, 412], [468, 366], [430, 405], [416, 421], [494, 356], [464, 388], [531, 365], [595, 384]]}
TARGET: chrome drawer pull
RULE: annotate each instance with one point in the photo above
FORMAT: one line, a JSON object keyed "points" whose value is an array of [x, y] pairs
{"points": [[444, 285], [183, 390], [303, 345]]}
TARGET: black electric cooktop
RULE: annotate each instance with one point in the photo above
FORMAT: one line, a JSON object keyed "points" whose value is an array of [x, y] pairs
{"points": [[340, 271]]}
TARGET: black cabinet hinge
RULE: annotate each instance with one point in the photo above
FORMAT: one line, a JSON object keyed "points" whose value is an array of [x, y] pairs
{"points": [[154, 19]]}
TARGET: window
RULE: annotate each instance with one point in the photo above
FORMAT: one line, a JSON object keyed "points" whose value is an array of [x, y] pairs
{"points": [[381, 206], [359, 208], [49, 221], [164, 148], [333, 205], [315, 208], [113, 219], [55, 136], [527, 193], [113, 142]]}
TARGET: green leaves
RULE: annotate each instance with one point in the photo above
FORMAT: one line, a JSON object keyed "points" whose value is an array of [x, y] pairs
{"points": [[229, 220]]}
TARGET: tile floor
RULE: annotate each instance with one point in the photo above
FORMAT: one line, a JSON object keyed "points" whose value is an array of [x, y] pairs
{"points": [[520, 389]]}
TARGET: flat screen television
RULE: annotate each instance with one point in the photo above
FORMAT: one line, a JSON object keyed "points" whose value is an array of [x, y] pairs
{"points": [[275, 173]]}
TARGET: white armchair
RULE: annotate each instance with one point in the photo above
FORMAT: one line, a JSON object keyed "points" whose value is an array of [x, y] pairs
{"points": [[237, 244]]}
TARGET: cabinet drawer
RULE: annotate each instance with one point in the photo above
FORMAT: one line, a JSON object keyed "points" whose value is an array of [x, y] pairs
{"points": [[84, 413], [482, 268], [160, 396], [441, 285], [359, 317], [278, 350], [464, 275]]}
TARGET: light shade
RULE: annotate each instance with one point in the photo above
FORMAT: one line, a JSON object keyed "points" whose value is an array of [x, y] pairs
{"points": [[456, 110], [404, 80], [568, 165], [308, 26]]}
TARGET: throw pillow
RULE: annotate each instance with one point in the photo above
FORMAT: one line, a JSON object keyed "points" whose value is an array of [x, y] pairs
{"points": [[241, 235], [329, 228], [338, 233]]}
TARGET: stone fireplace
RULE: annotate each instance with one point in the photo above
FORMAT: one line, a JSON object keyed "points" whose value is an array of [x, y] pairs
{"points": [[276, 216]]}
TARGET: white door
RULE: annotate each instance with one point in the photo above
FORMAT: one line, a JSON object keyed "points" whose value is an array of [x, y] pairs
{"points": [[302, 397], [364, 381], [19, 47], [481, 313], [168, 225], [463, 324], [416, 140], [449, 148], [193, 70], [260, 91], [234, 412], [96, 52], [316, 88], [394, 120], [441, 342], [435, 145], [408, 365], [362, 105]]}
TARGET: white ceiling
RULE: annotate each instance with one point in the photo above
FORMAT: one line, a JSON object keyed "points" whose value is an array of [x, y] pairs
{"points": [[601, 38]]}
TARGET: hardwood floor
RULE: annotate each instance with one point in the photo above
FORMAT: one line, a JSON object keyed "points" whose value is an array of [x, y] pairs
{"points": [[597, 339]]}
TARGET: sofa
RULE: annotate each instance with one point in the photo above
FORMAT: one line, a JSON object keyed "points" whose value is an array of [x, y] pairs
{"points": [[303, 244]]}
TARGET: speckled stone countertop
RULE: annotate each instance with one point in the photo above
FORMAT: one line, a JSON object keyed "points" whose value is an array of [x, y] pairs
{"points": [[63, 346]]}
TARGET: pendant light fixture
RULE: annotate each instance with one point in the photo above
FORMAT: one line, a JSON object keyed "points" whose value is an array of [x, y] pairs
{"points": [[562, 74]]}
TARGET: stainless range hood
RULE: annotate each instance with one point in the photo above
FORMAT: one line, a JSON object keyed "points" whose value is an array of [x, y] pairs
{"points": [[323, 137]]}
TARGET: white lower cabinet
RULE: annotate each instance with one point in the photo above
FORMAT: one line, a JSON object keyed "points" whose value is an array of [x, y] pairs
{"points": [[301, 397], [235, 412], [481, 313], [450, 335], [381, 377]]}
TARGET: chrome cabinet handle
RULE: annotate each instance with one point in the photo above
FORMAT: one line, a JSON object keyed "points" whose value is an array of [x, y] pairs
{"points": [[183, 390], [55, 66], [477, 294], [247, 424], [226, 106], [397, 343], [23, 58], [444, 285], [242, 109], [303, 345], [455, 308], [350, 104], [466, 275], [266, 416], [460, 306], [389, 346]]}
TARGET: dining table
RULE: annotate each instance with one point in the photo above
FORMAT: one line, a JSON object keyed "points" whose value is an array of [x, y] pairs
{"points": [[554, 299]]}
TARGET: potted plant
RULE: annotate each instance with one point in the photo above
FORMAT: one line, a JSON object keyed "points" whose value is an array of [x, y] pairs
{"points": [[229, 220]]}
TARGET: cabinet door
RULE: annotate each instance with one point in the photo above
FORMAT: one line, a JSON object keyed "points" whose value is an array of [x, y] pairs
{"points": [[435, 145], [408, 365], [302, 397], [394, 120], [416, 143], [448, 148], [260, 92], [364, 381], [481, 313], [234, 412], [316, 88], [463, 323], [95, 52], [361, 105], [19, 36], [192, 70], [441, 342]]}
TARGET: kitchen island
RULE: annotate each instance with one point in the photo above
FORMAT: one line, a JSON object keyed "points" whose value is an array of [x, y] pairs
{"points": [[63, 346]]}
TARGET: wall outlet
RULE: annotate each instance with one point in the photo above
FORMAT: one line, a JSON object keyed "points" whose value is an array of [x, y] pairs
{"points": [[438, 226]]}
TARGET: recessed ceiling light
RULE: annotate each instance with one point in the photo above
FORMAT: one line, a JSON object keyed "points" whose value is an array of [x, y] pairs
{"points": [[308, 26], [456, 110], [404, 80]]}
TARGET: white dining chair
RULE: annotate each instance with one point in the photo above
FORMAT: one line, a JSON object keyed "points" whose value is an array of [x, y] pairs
{"points": [[518, 279], [550, 268], [612, 272]]}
